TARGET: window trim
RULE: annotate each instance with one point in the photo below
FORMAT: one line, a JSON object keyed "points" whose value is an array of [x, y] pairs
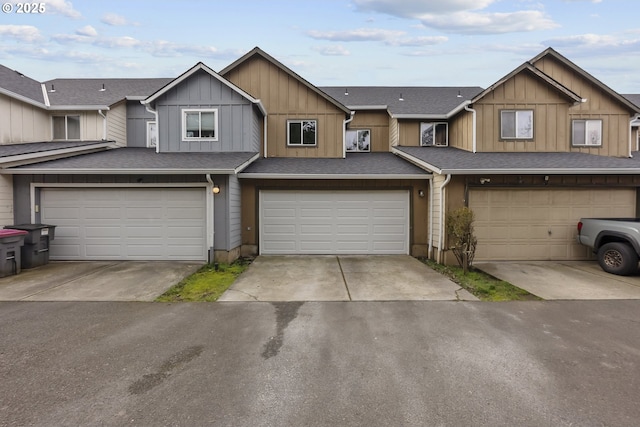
{"points": [[434, 124], [216, 131], [586, 121], [66, 127], [302, 144], [516, 137], [358, 150]]}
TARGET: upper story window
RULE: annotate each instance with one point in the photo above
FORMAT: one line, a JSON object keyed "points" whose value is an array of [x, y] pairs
{"points": [[301, 132], [359, 140], [432, 133], [586, 133], [516, 124], [200, 124], [66, 127]]}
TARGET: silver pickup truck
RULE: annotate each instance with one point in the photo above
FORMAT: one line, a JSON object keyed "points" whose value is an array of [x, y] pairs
{"points": [[616, 241]]}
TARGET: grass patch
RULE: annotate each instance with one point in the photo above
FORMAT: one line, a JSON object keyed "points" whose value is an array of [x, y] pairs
{"points": [[483, 285], [206, 284]]}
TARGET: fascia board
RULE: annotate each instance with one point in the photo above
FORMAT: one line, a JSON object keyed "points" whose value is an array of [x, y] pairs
{"points": [[78, 107], [112, 171], [367, 107], [414, 160], [333, 176], [23, 98], [22, 159], [543, 171], [421, 116], [244, 165]]}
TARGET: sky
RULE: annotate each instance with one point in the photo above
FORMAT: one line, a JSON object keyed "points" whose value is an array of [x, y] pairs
{"points": [[327, 42]]}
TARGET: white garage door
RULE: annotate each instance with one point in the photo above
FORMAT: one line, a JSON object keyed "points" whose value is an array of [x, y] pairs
{"points": [[334, 222], [126, 223], [540, 224]]}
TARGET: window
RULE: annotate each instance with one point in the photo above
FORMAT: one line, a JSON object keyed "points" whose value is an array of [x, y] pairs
{"points": [[66, 127], [434, 134], [587, 133], [152, 134], [516, 124], [301, 132], [359, 140], [201, 124]]}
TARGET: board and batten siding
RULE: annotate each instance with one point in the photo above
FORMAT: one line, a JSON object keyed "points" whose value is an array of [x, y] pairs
{"points": [[6, 200], [117, 123], [285, 98], [236, 117], [235, 212], [21, 122], [378, 123], [137, 118]]}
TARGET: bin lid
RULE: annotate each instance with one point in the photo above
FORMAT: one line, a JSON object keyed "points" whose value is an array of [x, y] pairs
{"points": [[29, 227], [8, 232]]}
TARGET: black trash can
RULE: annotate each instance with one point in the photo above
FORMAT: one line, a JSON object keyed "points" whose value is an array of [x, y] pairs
{"points": [[35, 251], [11, 242]]}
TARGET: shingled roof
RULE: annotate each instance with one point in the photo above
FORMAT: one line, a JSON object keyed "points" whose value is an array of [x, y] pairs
{"points": [[89, 92], [404, 100], [17, 83], [449, 160]]}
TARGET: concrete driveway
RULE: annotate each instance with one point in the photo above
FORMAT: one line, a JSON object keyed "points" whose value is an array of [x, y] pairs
{"points": [[564, 280], [342, 278], [95, 281]]}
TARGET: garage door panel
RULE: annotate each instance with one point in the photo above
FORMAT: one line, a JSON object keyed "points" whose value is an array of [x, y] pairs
{"points": [[326, 222], [126, 223], [540, 224]]}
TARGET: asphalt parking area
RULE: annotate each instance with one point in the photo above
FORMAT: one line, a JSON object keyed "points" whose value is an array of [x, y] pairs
{"points": [[342, 278], [564, 280], [95, 281]]}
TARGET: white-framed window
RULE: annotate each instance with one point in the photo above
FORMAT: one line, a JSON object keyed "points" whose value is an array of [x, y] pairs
{"points": [[66, 127], [301, 132], [586, 133], [434, 133], [516, 124], [358, 140], [152, 134], [200, 124]]}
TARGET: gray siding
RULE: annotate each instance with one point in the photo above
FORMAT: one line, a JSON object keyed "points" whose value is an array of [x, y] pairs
{"points": [[235, 229], [236, 117], [117, 123], [137, 118]]}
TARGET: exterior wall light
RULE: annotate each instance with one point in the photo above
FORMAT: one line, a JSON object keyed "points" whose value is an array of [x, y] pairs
{"points": [[421, 193], [216, 189]]}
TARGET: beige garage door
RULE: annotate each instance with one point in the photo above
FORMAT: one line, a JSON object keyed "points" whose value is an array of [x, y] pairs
{"points": [[527, 224]]}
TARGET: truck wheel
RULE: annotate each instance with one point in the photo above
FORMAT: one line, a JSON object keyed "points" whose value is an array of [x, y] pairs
{"points": [[618, 258]]}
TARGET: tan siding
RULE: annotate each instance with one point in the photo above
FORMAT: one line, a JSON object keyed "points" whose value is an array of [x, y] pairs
{"points": [[117, 123], [600, 105], [285, 98], [6, 200], [419, 205], [21, 122], [461, 131], [409, 133], [394, 132], [378, 123]]}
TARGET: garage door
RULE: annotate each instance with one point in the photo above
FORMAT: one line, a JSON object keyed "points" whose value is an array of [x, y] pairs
{"points": [[126, 223], [334, 222], [540, 224]]}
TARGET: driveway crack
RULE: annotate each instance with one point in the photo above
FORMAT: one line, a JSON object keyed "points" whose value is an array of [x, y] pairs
{"points": [[344, 279]]}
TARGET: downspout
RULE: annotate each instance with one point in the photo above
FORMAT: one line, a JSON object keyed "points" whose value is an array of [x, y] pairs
{"points": [[155, 113], [430, 247], [442, 203], [345, 122], [104, 125], [633, 119], [473, 129], [210, 219]]}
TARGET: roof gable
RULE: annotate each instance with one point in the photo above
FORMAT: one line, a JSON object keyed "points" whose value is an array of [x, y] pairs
{"points": [[193, 70], [527, 67], [551, 53], [259, 52]]}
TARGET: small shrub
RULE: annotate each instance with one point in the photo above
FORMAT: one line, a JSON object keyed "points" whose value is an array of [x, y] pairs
{"points": [[462, 240]]}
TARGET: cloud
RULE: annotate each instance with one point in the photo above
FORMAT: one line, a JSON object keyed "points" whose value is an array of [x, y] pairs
{"points": [[115, 20], [23, 33], [62, 7], [87, 31], [336, 50], [359, 35], [596, 44], [461, 16]]}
